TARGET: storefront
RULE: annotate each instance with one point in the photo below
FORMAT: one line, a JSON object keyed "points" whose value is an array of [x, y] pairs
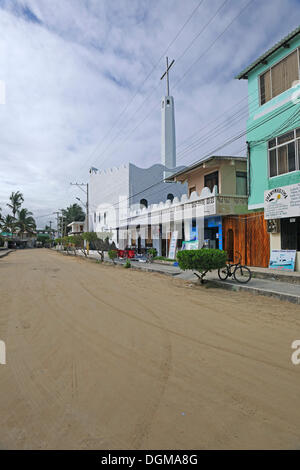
{"points": [[213, 232], [282, 212]]}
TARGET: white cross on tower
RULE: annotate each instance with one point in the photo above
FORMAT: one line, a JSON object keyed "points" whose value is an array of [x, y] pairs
{"points": [[166, 73]]}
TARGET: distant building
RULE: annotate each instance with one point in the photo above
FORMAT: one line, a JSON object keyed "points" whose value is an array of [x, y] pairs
{"points": [[75, 228], [273, 135]]}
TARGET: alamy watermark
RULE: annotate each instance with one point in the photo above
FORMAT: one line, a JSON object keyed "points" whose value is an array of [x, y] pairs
{"points": [[295, 358], [2, 92], [2, 352]]}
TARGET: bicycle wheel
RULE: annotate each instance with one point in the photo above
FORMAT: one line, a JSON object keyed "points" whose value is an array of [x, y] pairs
{"points": [[242, 274], [223, 273]]}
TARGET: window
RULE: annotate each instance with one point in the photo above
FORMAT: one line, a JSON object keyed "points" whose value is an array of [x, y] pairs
{"points": [[290, 233], [104, 218], [284, 153], [94, 216], [279, 77], [212, 180], [143, 203], [192, 189], [241, 183], [99, 218]]}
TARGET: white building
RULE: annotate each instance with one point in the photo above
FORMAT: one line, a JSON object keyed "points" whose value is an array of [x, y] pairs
{"points": [[113, 192], [76, 227]]}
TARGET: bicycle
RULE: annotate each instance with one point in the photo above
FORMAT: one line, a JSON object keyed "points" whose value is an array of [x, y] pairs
{"points": [[239, 272]]}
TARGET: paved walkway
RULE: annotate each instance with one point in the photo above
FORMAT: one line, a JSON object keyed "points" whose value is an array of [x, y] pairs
{"points": [[4, 253]]}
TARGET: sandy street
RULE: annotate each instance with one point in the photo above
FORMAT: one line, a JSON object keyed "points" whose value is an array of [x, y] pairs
{"points": [[103, 358]]}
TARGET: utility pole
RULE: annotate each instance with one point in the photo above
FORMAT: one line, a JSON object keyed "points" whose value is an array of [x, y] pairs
{"points": [[86, 191], [57, 222]]}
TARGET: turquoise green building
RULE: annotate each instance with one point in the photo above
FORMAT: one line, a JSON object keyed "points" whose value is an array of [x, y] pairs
{"points": [[273, 141]]}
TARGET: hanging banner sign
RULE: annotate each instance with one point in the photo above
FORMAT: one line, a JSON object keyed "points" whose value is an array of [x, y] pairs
{"points": [[282, 202], [173, 244]]}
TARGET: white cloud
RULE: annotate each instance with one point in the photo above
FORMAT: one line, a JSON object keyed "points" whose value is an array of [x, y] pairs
{"points": [[71, 66]]}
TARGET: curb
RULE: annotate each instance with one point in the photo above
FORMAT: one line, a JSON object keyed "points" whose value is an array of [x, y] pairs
{"points": [[6, 253], [256, 291], [215, 283], [276, 277]]}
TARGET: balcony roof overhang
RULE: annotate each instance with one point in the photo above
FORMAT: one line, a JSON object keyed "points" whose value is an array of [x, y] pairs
{"points": [[263, 58], [207, 162]]}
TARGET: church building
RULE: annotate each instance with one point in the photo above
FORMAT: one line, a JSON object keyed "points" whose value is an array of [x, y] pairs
{"points": [[116, 191]]}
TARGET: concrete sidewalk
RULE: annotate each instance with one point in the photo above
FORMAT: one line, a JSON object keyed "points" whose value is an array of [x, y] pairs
{"points": [[288, 291], [4, 253], [271, 284]]}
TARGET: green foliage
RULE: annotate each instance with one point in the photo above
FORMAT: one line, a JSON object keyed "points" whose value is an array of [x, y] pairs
{"points": [[8, 223], [163, 258], [77, 240], [90, 236], [16, 200], [73, 213], [152, 252], [42, 237], [203, 260], [112, 254], [25, 221], [127, 264]]}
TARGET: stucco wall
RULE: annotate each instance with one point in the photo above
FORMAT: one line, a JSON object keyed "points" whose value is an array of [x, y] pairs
{"points": [[131, 184], [227, 176], [271, 119]]}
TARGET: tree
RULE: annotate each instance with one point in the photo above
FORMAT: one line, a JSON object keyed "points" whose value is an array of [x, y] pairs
{"points": [[203, 260], [113, 254], [25, 221], [73, 213], [16, 200], [8, 223]]}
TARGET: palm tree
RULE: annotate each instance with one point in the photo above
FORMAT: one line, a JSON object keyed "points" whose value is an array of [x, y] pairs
{"points": [[73, 213], [8, 223], [25, 221], [16, 200]]}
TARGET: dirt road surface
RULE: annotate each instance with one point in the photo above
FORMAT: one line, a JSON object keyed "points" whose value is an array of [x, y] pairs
{"points": [[100, 357]]}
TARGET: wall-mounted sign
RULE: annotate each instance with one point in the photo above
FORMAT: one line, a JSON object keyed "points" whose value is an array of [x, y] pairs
{"points": [[282, 202], [190, 245], [283, 259]]}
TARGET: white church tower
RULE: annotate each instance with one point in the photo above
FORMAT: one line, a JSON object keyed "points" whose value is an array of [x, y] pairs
{"points": [[168, 137]]}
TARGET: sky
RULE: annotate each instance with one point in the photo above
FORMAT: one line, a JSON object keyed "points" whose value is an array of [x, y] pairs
{"points": [[82, 85]]}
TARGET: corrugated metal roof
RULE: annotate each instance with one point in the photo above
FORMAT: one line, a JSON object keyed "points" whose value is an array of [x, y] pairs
{"points": [[264, 56]]}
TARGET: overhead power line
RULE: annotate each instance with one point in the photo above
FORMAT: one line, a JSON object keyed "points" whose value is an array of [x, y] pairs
{"points": [[147, 77]]}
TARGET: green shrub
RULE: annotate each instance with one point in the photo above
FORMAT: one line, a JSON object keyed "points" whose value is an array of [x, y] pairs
{"points": [[203, 260], [127, 264], [163, 258], [112, 254], [152, 252]]}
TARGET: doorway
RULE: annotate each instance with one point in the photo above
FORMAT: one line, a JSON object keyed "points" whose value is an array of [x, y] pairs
{"points": [[230, 245]]}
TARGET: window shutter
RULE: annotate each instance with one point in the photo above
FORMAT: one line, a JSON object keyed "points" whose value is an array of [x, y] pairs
{"points": [[278, 78], [265, 87], [291, 69]]}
